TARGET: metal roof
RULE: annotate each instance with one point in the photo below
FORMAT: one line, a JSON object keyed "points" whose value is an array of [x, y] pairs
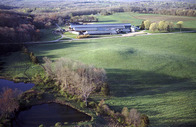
{"points": [[101, 32], [98, 28], [84, 29], [103, 25]]}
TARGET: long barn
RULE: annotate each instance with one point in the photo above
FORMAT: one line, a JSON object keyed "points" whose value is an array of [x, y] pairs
{"points": [[95, 29]]}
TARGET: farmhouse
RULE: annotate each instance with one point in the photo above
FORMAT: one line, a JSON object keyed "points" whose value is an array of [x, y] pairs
{"points": [[96, 29]]}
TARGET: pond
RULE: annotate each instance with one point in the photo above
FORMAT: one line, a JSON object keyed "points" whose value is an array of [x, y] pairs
{"points": [[10, 84], [48, 115]]}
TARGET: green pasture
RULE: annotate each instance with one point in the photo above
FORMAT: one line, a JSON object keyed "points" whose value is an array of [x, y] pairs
{"points": [[154, 74], [120, 18], [48, 35], [70, 35], [19, 65], [136, 19]]}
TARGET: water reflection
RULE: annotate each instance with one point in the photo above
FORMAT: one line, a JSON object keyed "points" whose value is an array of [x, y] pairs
{"points": [[48, 115], [10, 84]]}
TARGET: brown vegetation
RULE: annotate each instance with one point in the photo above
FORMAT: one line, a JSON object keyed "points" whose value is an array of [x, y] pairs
{"points": [[9, 102], [75, 77], [83, 36], [17, 27], [125, 118]]}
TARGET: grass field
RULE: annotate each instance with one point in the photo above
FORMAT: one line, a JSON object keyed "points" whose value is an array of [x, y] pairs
{"points": [[154, 74], [17, 64], [48, 35], [70, 35], [136, 19]]}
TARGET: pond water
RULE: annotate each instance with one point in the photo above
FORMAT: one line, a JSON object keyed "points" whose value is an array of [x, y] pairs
{"points": [[48, 115], [10, 84]]}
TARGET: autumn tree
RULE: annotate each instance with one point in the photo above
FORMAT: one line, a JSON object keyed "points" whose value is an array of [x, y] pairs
{"points": [[153, 27], [125, 113], [75, 77], [8, 101], [135, 117], [161, 25], [142, 27], [180, 24], [86, 89], [147, 24]]}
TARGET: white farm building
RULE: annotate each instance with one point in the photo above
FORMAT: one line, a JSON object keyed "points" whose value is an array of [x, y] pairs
{"points": [[96, 29]]}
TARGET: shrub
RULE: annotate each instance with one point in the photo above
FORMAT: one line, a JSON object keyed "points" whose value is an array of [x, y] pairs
{"points": [[142, 27], [31, 54], [41, 125], [8, 101], [25, 50], [153, 27], [134, 117], [106, 109], [83, 36], [144, 120], [99, 110], [147, 24], [66, 123], [78, 100], [92, 104], [58, 124], [30, 95], [75, 98], [112, 113], [33, 58], [179, 24], [119, 117], [82, 105], [101, 103], [105, 89], [37, 79], [125, 113]]}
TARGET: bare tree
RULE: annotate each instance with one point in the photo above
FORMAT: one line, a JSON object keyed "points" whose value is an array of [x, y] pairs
{"points": [[134, 117], [75, 77], [48, 67], [8, 101], [86, 89]]}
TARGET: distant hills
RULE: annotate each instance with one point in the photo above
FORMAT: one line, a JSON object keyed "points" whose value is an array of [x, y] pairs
{"points": [[94, 4]]}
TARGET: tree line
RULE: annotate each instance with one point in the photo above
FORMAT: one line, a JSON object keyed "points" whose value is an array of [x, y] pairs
{"points": [[161, 26], [17, 27], [153, 7]]}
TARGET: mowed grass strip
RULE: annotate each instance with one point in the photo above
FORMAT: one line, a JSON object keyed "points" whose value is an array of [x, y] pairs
{"points": [[154, 74]]}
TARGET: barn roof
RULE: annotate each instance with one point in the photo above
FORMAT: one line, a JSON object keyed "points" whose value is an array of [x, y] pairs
{"points": [[101, 32], [102, 25], [97, 28]]}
